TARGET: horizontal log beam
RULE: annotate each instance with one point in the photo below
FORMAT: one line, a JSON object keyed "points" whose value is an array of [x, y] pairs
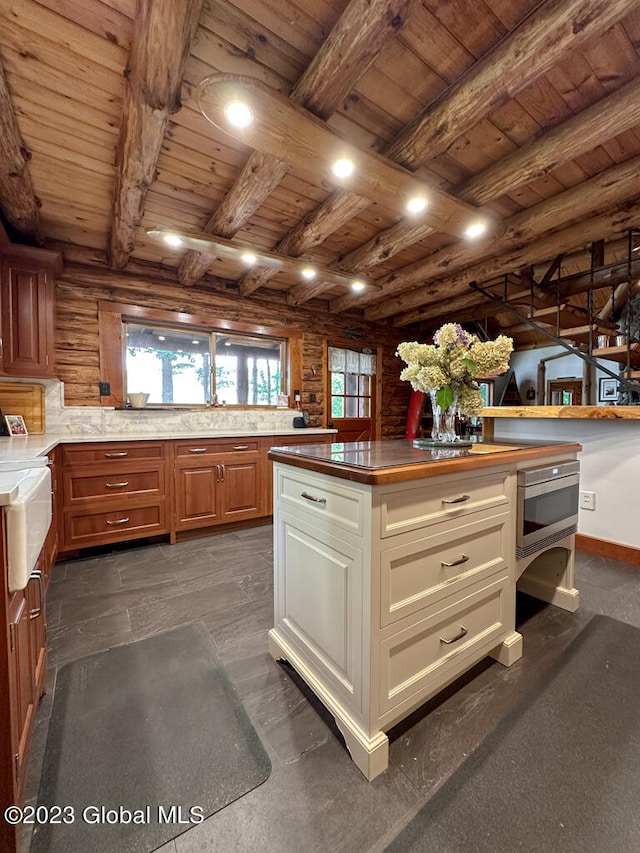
{"points": [[162, 37]]}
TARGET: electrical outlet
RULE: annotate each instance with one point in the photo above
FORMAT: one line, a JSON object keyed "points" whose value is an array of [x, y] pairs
{"points": [[104, 388], [588, 500]]}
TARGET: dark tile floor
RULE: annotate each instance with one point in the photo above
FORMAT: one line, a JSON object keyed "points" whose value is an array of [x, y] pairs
{"points": [[315, 798]]}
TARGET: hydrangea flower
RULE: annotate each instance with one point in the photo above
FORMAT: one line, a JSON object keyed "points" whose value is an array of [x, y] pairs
{"points": [[450, 365]]}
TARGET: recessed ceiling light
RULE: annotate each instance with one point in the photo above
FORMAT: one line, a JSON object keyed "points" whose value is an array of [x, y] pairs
{"points": [[238, 114], [172, 240], [343, 168], [416, 204], [249, 259], [358, 285], [476, 229], [308, 273]]}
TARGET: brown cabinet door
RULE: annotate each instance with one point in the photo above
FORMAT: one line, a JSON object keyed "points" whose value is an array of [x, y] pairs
{"points": [[27, 319], [242, 491], [197, 495]]}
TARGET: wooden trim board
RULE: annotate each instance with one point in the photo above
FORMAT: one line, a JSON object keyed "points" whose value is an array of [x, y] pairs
{"points": [[604, 548]]}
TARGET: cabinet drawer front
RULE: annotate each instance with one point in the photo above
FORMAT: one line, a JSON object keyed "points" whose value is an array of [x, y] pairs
{"points": [[417, 662], [83, 529], [425, 571], [197, 448], [332, 504], [410, 508], [89, 486], [111, 453]]}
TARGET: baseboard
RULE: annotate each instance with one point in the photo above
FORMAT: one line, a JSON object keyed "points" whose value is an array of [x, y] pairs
{"points": [[613, 550]]}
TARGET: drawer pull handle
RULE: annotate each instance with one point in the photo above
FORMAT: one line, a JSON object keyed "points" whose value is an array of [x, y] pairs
{"points": [[197, 450], [459, 500], [118, 453], [461, 559], [311, 498], [463, 633], [119, 520], [241, 447], [117, 485]]}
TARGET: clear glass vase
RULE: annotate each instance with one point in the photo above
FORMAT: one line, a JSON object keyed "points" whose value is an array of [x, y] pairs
{"points": [[444, 420]]}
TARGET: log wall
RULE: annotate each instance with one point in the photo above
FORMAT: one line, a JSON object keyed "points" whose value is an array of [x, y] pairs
{"points": [[77, 346]]}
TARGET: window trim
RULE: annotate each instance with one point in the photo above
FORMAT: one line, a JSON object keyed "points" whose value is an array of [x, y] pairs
{"points": [[111, 341]]}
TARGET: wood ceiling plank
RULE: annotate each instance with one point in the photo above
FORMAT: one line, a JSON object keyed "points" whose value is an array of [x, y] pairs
{"points": [[102, 19]]}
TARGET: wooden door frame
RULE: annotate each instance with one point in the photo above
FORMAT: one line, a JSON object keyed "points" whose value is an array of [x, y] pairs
{"points": [[376, 418]]}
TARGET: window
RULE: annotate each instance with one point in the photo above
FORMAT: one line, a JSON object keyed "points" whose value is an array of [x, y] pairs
{"points": [[352, 374], [188, 360], [196, 366]]}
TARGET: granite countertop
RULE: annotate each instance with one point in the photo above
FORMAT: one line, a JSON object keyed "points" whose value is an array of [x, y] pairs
{"points": [[374, 462]]}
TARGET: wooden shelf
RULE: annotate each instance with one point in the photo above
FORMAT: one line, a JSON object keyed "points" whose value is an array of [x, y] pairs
{"points": [[608, 413], [565, 315], [619, 354], [581, 333]]}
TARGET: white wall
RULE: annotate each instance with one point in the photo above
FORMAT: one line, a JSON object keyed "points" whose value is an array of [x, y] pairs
{"points": [[609, 462]]}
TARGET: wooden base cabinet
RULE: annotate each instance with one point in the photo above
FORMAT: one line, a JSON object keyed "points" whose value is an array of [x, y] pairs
{"points": [[385, 594], [113, 492], [217, 481]]}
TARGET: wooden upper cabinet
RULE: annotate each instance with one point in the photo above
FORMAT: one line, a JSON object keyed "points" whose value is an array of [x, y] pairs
{"points": [[27, 310]]}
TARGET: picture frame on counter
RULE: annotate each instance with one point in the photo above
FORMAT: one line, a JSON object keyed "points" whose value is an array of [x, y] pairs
{"points": [[16, 425]]}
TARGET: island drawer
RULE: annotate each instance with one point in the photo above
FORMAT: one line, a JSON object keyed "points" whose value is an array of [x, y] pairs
{"points": [[427, 570], [329, 503], [405, 507], [112, 453], [86, 528], [109, 486], [416, 662]]}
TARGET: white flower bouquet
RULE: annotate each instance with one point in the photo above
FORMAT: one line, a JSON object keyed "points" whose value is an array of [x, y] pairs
{"points": [[448, 368]]}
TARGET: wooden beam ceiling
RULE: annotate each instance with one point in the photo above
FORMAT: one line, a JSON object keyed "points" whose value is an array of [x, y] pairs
{"points": [[162, 39], [364, 26]]}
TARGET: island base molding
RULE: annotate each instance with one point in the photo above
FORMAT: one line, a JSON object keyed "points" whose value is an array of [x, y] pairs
{"points": [[370, 753], [604, 548]]}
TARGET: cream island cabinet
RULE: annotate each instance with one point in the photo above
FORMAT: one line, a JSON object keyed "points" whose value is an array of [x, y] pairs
{"points": [[395, 571]]}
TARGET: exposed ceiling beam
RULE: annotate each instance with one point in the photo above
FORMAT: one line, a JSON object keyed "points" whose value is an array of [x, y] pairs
{"points": [[583, 132], [544, 38], [351, 47], [18, 202], [162, 37], [522, 57], [599, 193], [455, 291]]}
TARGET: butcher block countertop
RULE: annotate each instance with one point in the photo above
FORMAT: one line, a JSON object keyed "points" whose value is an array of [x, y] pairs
{"points": [[393, 461]]}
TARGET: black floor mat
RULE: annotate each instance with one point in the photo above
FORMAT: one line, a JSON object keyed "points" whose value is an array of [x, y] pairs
{"points": [[145, 740], [560, 773]]}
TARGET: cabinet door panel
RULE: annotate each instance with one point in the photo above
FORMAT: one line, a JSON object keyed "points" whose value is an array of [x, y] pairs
{"points": [[27, 321], [23, 698], [197, 496], [242, 492]]}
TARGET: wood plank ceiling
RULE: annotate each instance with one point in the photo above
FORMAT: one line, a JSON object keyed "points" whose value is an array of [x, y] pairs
{"points": [[527, 111]]}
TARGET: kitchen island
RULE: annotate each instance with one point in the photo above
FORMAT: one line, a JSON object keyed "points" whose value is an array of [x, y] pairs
{"points": [[395, 571]]}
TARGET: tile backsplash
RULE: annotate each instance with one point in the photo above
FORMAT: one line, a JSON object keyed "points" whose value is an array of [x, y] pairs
{"points": [[94, 420]]}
